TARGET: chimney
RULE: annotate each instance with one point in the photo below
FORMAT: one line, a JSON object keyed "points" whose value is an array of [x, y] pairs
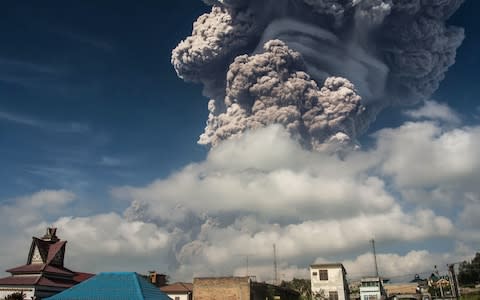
{"points": [[153, 276], [156, 279]]}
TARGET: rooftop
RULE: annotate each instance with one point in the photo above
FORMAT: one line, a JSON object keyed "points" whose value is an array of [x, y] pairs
{"points": [[115, 285], [177, 287], [328, 266]]}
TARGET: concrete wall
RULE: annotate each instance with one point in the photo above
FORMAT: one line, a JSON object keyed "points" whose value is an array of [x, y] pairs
{"points": [[221, 288]]}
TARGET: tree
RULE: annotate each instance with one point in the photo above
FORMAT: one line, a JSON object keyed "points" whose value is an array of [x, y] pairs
{"points": [[15, 296], [469, 272], [302, 286]]}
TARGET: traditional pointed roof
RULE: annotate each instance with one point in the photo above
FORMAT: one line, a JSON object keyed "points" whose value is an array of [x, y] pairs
{"points": [[45, 265], [49, 247], [46, 255], [115, 285]]}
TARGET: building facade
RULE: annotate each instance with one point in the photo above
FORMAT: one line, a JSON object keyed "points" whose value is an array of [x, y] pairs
{"points": [[329, 281], [44, 274], [179, 290], [239, 288], [372, 289]]}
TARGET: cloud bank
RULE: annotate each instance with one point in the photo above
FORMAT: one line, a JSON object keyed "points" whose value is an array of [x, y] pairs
{"points": [[264, 188]]}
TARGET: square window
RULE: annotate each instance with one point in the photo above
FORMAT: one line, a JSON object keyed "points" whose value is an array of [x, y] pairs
{"points": [[323, 274], [332, 296]]}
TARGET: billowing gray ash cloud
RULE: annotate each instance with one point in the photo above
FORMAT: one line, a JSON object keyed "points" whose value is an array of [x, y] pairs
{"points": [[323, 69]]}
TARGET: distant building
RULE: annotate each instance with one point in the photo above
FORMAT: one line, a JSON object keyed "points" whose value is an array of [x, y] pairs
{"points": [[372, 289], [113, 286], [179, 290], [330, 281], [393, 289], [412, 290], [44, 274], [239, 288]]}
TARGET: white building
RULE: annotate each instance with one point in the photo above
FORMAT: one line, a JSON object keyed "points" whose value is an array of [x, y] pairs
{"points": [[372, 289], [330, 281], [179, 290]]}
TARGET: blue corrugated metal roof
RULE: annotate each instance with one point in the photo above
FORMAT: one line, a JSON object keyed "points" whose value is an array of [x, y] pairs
{"points": [[115, 285]]}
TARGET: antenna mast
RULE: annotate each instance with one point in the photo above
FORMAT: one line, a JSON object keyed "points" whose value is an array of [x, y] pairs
{"points": [[375, 257], [275, 277]]}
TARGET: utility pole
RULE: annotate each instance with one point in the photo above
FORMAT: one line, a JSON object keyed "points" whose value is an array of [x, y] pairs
{"points": [[275, 275], [453, 281], [247, 273], [438, 275], [375, 257]]}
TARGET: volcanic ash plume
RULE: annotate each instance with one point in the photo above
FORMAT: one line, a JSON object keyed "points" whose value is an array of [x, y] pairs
{"points": [[321, 68]]}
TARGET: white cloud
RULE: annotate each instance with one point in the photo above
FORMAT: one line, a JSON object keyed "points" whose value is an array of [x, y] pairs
{"points": [[26, 210], [433, 110], [48, 198], [60, 127], [249, 194], [401, 268], [110, 234], [470, 215], [424, 154], [95, 243], [263, 189], [263, 180]]}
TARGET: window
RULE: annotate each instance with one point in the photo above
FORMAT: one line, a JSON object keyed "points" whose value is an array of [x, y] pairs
{"points": [[370, 283], [323, 274], [370, 297], [314, 273], [332, 296], [177, 298]]}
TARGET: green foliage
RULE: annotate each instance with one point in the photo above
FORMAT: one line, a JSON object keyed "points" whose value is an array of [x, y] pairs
{"points": [[15, 296], [469, 272], [470, 297], [304, 287]]}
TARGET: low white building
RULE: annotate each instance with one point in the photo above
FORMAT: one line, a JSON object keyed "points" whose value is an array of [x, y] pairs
{"points": [[372, 289], [330, 281], [179, 290]]}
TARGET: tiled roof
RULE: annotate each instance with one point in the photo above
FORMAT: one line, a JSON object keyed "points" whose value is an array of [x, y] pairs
{"points": [[119, 285], [37, 281], [54, 249], [37, 268], [16, 280], [177, 287], [47, 249], [79, 276]]}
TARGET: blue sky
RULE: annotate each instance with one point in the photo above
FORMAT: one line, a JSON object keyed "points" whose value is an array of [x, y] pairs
{"points": [[90, 106], [89, 98]]}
